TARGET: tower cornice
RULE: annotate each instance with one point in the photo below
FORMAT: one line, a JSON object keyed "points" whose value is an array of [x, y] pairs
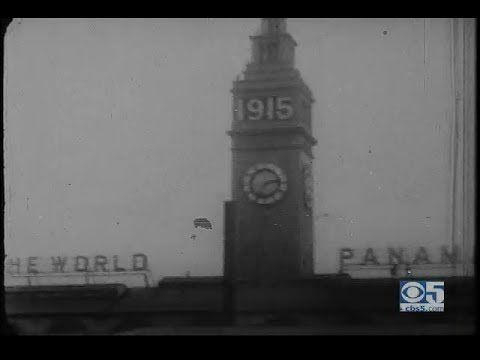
{"points": [[271, 82], [280, 130]]}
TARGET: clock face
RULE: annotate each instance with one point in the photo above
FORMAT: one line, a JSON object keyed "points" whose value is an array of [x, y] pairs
{"points": [[265, 183]]}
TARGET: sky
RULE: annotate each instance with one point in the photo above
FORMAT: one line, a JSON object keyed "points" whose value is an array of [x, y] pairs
{"points": [[115, 135]]}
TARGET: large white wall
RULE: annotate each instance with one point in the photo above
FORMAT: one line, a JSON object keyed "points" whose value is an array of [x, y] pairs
{"points": [[115, 135], [383, 118]]}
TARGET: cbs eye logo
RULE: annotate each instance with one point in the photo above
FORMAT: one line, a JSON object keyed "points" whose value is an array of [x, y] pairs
{"points": [[412, 292]]}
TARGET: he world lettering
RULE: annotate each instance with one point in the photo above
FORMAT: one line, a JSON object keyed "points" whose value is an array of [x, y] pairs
{"points": [[79, 263]]}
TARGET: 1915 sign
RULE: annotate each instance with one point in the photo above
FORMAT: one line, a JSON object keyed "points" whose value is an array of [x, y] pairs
{"points": [[266, 108]]}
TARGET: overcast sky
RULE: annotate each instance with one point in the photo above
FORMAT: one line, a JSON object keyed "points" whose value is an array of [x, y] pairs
{"points": [[115, 134]]}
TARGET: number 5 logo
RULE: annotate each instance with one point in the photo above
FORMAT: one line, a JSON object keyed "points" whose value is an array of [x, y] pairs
{"points": [[435, 292]]}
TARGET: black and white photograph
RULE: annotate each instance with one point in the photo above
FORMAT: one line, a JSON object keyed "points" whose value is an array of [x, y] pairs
{"points": [[239, 176]]}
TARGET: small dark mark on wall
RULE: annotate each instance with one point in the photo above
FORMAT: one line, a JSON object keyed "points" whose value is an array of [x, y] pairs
{"points": [[385, 32], [202, 223]]}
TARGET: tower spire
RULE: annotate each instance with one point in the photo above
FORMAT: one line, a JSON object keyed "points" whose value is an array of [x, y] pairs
{"points": [[273, 45], [270, 26]]}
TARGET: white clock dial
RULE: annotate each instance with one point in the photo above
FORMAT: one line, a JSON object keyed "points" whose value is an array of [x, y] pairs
{"points": [[265, 183]]}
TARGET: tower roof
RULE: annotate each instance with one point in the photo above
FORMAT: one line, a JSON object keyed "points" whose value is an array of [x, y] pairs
{"points": [[272, 44], [271, 26]]}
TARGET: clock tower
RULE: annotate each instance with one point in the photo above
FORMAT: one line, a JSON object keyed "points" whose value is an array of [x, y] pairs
{"points": [[272, 143]]}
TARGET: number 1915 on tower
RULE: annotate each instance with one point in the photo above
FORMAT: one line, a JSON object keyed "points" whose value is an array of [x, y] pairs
{"points": [[267, 108]]}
